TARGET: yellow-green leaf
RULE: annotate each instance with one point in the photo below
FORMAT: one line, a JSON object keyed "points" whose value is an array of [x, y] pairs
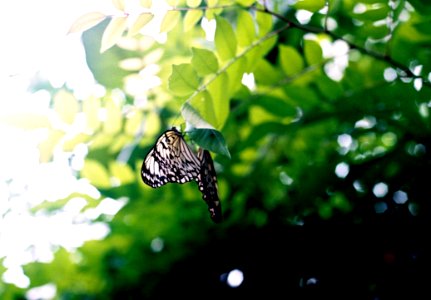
{"points": [[66, 106], [119, 4], [183, 80], [264, 22], [191, 18], [113, 120], [91, 109], [87, 21], [113, 33], [193, 3], [146, 3], [245, 29], [121, 171], [96, 173], [245, 2], [47, 146], [220, 99], [170, 20], [225, 40], [133, 124], [204, 61], [140, 22]]}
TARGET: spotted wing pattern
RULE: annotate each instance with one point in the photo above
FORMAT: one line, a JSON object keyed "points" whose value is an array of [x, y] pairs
{"points": [[170, 160], [207, 181]]}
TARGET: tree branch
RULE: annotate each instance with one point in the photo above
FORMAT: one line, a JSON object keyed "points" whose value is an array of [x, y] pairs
{"points": [[382, 57]]}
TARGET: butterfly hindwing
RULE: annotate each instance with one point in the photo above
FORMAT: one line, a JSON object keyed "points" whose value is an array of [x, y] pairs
{"points": [[207, 182], [170, 160]]}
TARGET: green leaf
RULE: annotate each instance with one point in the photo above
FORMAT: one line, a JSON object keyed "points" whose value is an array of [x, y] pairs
{"points": [[310, 5], [204, 61], [378, 13], [275, 106], [210, 139], [220, 99], [203, 103], [312, 52], [170, 20], [235, 73], [290, 59], [245, 29], [264, 22], [183, 80], [225, 40], [113, 33], [191, 18]]}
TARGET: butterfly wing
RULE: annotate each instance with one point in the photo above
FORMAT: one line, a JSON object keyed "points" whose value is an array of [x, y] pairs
{"points": [[207, 182], [170, 160]]}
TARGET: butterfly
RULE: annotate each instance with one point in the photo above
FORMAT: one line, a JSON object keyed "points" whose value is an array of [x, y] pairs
{"points": [[170, 160], [207, 182]]}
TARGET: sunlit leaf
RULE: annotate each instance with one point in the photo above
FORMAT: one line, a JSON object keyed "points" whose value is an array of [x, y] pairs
{"points": [[119, 4], [66, 106], [245, 2], [96, 173], [133, 124], [203, 104], [183, 80], [25, 120], [191, 18], [193, 3], [113, 122], [220, 98], [170, 20], [264, 22], [204, 61], [235, 74], [290, 59], [225, 40], [121, 171], [91, 109], [87, 21], [142, 20], [146, 3], [211, 140], [193, 117], [210, 13], [245, 29], [113, 33], [46, 147]]}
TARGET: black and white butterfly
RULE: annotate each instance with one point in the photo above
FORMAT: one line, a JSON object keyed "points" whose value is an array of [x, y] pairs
{"points": [[172, 160]]}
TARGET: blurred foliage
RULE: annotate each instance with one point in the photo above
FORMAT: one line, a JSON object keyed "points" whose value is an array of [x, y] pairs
{"points": [[309, 139]]}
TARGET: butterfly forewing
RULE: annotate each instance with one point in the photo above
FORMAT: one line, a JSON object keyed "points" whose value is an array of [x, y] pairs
{"points": [[207, 182], [170, 160]]}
